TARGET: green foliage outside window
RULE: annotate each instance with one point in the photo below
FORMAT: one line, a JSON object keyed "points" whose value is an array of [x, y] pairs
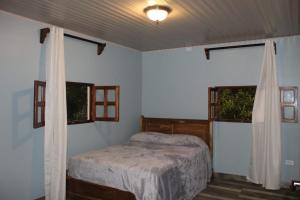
{"points": [[236, 104], [76, 102]]}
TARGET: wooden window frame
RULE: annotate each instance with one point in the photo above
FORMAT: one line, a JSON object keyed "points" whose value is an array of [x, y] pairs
{"points": [[105, 103], [90, 103], [40, 104], [214, 104]]}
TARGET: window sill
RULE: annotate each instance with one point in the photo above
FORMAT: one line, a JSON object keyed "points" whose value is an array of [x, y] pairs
{"points": [[79, 122], [232, 120]]}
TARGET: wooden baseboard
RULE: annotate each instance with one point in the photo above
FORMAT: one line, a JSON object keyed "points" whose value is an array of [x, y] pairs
{"points": [[234, 177], [41, 198], [230, 177]]}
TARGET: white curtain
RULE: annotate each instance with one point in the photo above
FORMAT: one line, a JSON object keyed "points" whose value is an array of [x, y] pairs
{"points": [[55, 142], [265, 161]]}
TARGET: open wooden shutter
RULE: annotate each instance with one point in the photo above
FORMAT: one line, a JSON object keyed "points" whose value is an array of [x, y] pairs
{"points": [[213, 103], [39, 104], [106, 103]]}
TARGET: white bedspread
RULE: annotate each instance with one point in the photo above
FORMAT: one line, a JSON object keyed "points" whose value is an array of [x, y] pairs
{"points": [[149, 170]]}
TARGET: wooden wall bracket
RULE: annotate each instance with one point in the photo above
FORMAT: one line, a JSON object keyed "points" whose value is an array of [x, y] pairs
{"points": [[207, 50], [100, 46], [43, 34]]}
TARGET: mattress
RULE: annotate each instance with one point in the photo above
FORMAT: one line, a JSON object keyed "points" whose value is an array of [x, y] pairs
{"points": [[152, 168]]}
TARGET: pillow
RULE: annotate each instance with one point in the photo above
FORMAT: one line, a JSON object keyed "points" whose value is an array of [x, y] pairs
{"points": [[168, 139]]}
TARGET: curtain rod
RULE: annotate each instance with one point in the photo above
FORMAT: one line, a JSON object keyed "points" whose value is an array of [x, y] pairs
{"points": [[100, 46], [207, 50]]}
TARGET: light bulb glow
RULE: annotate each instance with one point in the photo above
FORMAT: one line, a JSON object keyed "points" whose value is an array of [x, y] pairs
{"points": [[157, 15], [157, 12]]}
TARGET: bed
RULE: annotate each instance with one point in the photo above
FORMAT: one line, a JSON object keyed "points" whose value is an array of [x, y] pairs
{"points": [[166, 161]]}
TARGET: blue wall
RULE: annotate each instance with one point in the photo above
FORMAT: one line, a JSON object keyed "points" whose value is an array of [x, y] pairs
{"points": [[175, 83], [21, 62]]}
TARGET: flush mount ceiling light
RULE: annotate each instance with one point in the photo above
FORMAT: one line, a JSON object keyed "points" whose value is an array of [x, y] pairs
{"points": [[157, 13]]}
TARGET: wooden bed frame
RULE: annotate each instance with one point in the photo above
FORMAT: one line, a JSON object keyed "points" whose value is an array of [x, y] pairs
{"points": [[78, 189]]}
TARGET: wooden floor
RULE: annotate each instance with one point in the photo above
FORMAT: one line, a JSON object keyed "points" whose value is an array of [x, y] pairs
{"points": [[224, 189]]}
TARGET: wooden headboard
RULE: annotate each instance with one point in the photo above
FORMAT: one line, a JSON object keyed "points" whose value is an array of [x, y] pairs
{"points": [[200, 128]]}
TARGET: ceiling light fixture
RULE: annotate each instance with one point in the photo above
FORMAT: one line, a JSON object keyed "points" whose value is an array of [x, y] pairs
{"points": [[157, 13]]}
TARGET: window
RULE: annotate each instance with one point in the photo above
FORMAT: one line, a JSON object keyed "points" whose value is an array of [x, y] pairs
{"points": [[79, 102], [232, 103], [85, 103], [289, 104], [39, 104], [235, 103], [107, 103]]}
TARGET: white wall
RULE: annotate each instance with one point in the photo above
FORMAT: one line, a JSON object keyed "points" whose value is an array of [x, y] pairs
{"points": [[175, 84], [21, 62]]}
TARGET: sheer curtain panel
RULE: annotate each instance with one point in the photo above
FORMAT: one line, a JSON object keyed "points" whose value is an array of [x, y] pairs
{"points": [[265, 161], [55, 142]]}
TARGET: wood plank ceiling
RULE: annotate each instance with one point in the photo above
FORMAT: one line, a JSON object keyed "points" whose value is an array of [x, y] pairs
{"points": [[192, 22]]}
